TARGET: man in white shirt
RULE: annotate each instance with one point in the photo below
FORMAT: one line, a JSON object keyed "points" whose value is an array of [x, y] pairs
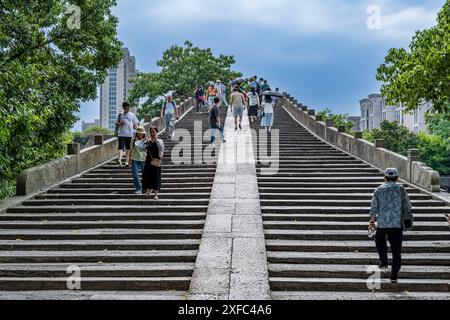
{"points": [[127, 123]]}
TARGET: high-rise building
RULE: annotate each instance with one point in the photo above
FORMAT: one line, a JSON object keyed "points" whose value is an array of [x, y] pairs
{"points": [[114, 91]]}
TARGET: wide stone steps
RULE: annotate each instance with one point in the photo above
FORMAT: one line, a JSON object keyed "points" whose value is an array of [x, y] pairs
{"points": [[353, 246], [344, 235], [96, 284], [78, 245], [340, 217], [120, 224], [120, 241], [100, 234], [105, 216], [356, 285], [352, 271], [316, 210]]}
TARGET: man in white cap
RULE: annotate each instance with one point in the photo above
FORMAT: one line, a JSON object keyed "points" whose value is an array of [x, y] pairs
{"points": [[389, 203]]}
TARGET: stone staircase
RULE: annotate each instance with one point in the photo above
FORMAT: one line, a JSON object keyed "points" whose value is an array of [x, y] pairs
{"points": [[120, 241], [315, 213]]}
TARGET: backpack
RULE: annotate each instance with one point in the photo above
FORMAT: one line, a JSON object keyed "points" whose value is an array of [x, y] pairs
{"points": [[165, 105]]}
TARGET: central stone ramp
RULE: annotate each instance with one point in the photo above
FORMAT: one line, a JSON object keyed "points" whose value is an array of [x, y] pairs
{"points": [[120, 241], [316, 213]]}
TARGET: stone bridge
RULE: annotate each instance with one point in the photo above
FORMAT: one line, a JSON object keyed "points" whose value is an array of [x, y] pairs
{"points": [[230, 228]]}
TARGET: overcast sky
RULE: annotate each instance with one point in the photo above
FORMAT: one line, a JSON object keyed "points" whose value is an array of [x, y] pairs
{"points": [[320, 51]]}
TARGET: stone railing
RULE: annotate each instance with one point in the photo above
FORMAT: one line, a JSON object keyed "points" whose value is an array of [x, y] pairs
{"points": [[410, 168], [77, 161]]}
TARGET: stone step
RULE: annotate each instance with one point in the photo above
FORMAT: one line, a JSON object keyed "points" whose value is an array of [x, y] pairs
{"points": [[330, 171], [331, 209], [97, 284], [332, 195], [354, 246], [353, 271], [422, 259], [91, 189], [166, 185], [128, 175], [344, 235], [151, 207], [357, 285], [102, 216], [342, 217], [360, 296], [100, 234], [121, 224], [130, 197], [57, 270], [283, 175], [325, 202], [137, 202], [95, 245], [324, 190], [333, 179], [159, 256], [346, 225], [165, 179]]}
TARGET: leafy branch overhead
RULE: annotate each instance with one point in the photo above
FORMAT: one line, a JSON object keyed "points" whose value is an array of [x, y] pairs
{"points": [[182, 68], [423, 72], [47, 68]]}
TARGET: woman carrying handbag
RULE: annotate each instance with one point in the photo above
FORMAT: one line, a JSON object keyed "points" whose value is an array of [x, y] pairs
{"points": [[151, 177]]}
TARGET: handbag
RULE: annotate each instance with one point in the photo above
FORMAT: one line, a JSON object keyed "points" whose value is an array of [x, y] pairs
{"points": [[407, 217], [156, 163], [116, 130]]}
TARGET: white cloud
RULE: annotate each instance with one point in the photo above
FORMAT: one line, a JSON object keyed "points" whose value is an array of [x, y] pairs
{"points": [[346, 17]]}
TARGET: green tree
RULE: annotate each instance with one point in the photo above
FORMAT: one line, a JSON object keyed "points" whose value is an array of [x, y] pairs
{"points": [[47, 66], [438, 125], [435, 152], [182, 69], [397, 137], [422, 73], [96, 130]]}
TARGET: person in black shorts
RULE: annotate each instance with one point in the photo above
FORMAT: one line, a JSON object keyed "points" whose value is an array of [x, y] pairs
{"points": [[214, 120], [127, 122]]}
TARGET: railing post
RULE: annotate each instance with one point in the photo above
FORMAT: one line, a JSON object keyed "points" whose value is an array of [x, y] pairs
{"points": [[98, 139], [379, 143], [73, 149]]}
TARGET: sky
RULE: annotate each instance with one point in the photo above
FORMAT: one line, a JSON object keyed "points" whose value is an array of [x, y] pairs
{"points": [[325, 53]]}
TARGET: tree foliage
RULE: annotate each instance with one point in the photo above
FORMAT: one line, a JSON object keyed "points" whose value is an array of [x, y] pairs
{"points": [[47, 67], [434, 149], [423, 72], [182, 69], [438, 125], [397, 138], [338, 119]]}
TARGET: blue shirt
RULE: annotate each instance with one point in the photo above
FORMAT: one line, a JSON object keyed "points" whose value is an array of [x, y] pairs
{"points": [[386, 205]]}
